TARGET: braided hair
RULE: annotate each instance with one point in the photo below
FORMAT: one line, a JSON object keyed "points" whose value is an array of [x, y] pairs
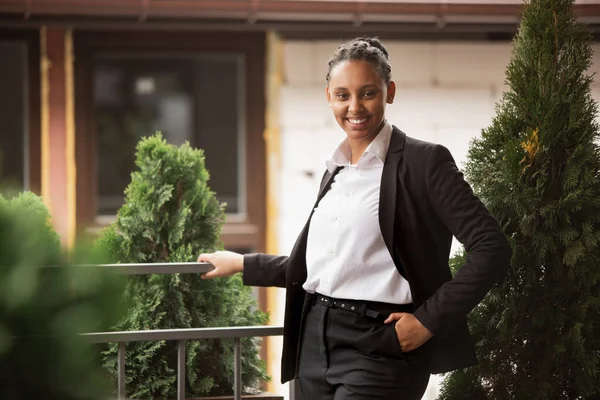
{"points": [[367, 49]]}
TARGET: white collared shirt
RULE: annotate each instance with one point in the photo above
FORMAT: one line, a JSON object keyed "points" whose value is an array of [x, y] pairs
{"points": [[346, 256]]}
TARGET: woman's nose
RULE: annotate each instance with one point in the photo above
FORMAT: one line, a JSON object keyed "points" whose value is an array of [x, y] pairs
{"points": [[355, 105]]}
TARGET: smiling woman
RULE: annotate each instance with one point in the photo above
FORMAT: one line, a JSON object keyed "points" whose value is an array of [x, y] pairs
{"points": [[371, 306]]}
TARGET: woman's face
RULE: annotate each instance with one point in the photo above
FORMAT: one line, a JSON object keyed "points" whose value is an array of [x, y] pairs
{"points": [[358, 95]]}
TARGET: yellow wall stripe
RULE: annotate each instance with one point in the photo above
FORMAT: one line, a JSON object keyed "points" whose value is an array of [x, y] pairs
{"points": [[70, 141], [274, 79]]}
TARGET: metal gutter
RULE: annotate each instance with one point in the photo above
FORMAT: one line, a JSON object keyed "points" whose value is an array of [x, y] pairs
{"points": [[407, 19], [252, 11]]}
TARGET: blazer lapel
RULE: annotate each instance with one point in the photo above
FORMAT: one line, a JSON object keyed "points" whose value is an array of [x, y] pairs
{"points": [[326, 183], [387, 192]]}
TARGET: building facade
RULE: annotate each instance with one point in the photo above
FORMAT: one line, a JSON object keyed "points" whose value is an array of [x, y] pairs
{"points": [[81, 83]]}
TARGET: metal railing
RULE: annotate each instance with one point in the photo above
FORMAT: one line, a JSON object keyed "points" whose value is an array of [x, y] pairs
{"points": [[181, 335]]}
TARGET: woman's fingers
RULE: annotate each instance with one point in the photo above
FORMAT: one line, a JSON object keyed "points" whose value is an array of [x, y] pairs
{"points": [[205, 257], [393, 317], [210, 274]]}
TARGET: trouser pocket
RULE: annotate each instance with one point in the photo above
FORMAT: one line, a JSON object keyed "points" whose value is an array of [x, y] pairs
{"points": [[393, 338]]}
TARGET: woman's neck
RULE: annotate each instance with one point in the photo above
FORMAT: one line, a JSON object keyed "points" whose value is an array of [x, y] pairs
{"points": [[359, 146]]}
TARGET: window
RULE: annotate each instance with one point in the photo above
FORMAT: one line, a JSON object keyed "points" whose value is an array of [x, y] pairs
{"points": [[204, 87], [187, 97], [13, 115]]}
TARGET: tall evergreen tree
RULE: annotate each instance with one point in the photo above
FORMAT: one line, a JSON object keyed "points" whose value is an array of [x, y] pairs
{"points": [[537, 168], [171, 215]]}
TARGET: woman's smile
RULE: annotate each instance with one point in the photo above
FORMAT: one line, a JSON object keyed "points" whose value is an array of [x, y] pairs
{"points": [[358, 123]]}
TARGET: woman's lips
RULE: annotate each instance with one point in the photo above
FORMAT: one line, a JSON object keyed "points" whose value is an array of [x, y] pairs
{"points": [[358, 122]]}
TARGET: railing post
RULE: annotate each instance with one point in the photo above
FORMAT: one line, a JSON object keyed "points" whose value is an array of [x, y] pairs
{"points": [[237, 368], [121, 370], [295, 391], [181, 370]]}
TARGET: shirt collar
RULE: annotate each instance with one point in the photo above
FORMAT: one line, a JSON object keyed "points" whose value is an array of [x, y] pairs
{"points": [[378, 148]]}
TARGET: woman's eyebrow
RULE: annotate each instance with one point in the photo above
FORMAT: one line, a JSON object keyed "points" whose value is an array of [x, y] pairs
{"points": [[367, 86]]}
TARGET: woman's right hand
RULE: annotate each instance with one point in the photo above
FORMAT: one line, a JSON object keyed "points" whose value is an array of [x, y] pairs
{"points": [[226, 263]]}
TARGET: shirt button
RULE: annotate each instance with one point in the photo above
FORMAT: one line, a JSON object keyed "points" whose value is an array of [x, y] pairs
{"points": [[348, 194], [334, 219]]}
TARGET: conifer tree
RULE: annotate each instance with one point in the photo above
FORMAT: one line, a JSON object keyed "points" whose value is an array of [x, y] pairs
{"points": [[537, 168], [171, 215]]}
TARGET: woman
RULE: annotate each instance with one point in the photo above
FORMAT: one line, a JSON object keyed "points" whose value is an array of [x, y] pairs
{"points": [[371, 306]]}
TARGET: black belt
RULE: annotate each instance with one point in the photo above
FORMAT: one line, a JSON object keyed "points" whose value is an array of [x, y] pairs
{"points": [[369, 309]]}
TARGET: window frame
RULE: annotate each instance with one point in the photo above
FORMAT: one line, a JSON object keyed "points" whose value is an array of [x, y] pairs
{"points": [[32, 157], [241, 231], [239, 61], [22, 48]]}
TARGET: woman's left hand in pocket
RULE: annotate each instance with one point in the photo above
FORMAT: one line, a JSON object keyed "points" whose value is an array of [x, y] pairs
{"points": [[410, 331]]}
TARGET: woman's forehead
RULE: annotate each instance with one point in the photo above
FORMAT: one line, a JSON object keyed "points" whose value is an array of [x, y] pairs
{"points": [[354, 73]]}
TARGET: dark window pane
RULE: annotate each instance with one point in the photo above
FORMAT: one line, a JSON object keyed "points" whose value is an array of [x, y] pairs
{"points": [[13, 114], [193, 98], [218, 127]]}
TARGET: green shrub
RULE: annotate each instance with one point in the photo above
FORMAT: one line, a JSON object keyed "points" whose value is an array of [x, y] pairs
{"points": [[44, 305], [171, 215]]}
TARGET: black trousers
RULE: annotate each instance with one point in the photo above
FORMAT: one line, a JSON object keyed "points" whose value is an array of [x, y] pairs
{"points": [[350, 354]]}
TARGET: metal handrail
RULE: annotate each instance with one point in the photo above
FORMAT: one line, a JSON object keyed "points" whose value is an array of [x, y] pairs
{"points": [[184, 334], [156, 268], [179, 335]]}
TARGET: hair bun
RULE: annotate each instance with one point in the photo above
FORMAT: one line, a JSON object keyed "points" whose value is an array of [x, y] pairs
{"points": [[365, 48], [373, 41]]}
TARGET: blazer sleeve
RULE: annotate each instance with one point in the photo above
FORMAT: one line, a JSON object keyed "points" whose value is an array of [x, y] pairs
{"points": [[264, 270], [488, 251]]}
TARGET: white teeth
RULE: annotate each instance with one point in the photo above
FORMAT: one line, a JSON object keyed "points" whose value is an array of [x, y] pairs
{"points": [[357, 121]]}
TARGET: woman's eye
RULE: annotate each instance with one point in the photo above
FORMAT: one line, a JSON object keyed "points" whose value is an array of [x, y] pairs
{"points": [[342, 96], [369, 94]]}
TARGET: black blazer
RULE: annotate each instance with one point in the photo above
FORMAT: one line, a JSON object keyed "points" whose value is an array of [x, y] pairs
{"points": [[423, 202]]}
